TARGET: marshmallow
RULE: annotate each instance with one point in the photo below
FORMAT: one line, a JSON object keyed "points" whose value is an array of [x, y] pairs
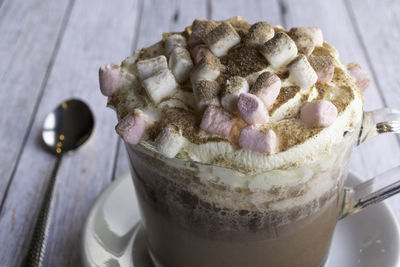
{"points": [[306, 38], [206, 93], [170, 141], [218, 121], [173, 41], [180, 63], [173, 103], [279, 50], [361, 77], [209, 68], [148, 67], [279, 28], [161, 85], [301, 72], [109, 77], [199, 52], [253, 138], [234, 87], [321, 113], [267, 88], [259, 33], [252, 109], [323, 66], [200, 28], [221, 39], [133, 126]]}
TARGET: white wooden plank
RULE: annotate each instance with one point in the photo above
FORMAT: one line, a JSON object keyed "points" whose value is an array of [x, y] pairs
{"points": [[159, 17], [332, 17], [28, 30], [378, 26], [107, 37], [250, 10], [98, 32]]}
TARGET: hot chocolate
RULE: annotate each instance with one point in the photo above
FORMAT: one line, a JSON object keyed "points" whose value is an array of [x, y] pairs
{"points": [[239, 136]]}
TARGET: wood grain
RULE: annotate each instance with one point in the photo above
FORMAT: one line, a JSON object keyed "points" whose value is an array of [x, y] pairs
{"points": [[92, 38], [29, 32], [251, 10], [378, 28], [380, 44], [103, 35]]}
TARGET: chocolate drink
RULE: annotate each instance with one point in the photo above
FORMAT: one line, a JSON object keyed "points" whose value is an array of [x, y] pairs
{"points": [[185, 228], [239, 137]]}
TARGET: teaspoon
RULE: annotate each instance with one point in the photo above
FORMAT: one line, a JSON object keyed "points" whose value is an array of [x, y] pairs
{"points": [[65, 129]]}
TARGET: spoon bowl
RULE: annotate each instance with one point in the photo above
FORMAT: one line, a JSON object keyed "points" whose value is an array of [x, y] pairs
{"points": [[68, 126]]}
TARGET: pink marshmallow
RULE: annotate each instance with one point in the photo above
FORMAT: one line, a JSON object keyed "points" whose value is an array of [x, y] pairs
{"points": [[253, 138], [133, 126], [252, 109], [109, 76], [325, 75], [217, 121], [267, 88], [323, 66], [199, 52], [318, 114], [194, 40], [362, 78]]}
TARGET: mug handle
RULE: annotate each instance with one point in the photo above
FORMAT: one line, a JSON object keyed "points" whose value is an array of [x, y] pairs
{"points": [[384, 185]]}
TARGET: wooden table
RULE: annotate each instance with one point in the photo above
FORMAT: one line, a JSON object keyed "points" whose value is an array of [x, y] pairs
{"points": [[51, 50]]}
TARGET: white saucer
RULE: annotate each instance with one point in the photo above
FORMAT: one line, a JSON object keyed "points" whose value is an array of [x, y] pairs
{"points": [[113, 236]]}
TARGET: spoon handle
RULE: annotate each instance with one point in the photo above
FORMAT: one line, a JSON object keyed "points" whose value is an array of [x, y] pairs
{"points": [[37, 248]]}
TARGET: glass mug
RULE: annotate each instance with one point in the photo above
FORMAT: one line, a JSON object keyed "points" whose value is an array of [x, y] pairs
{"points": [[191, 219]]}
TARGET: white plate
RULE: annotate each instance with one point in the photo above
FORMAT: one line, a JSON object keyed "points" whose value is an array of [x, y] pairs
{"points": [[113, 236]]}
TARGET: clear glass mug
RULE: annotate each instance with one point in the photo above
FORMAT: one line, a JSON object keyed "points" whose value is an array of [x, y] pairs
{"points": [[191, 219]]}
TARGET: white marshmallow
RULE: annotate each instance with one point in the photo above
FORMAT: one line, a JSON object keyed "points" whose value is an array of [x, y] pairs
{"points": [[173, 103], [314, 33], [170, 141], [259, 33], [234, 87], [148, 67], [173, 41], [221, 39], [306, 38], [209, 68], [161, 85], [180, 63], [301, 72], [200, 28], [206, 93], [279, 50]]}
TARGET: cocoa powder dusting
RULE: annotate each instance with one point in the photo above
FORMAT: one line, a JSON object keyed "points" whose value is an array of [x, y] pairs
{"points": [[242, 61], [222, 31], [283, 75], [320, 63], [321, 91], [346, 95], [241, 26], [284, 96], [184, 120], [152, 51], [208, 90], [293, 132]]}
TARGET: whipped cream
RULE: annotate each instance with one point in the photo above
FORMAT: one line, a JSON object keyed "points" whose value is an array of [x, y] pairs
{"points": [[300, 146]]}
